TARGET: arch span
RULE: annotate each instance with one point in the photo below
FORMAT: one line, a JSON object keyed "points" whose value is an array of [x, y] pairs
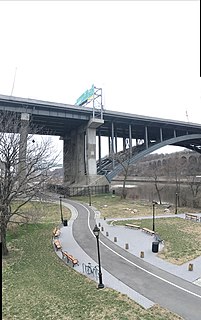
{"points": [[191, 141]]}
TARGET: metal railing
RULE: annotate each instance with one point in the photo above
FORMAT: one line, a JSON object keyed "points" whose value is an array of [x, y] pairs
{"points": [[78, 191]]}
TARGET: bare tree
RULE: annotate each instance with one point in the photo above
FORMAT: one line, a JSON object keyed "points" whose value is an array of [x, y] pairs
{"points": [[22, 176], [123, 159], [195, 187], [154, 172], [194, 181], [182, 170]]}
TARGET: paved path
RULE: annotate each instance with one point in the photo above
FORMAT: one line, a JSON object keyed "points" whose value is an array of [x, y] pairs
{"points": [[149, 281]]}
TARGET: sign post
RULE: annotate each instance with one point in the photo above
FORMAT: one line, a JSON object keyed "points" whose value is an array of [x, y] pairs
{"points": [[93, 94]]}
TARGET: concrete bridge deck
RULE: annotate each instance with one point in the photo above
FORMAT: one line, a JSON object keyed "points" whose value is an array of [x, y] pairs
{"points": [[80, 128]]}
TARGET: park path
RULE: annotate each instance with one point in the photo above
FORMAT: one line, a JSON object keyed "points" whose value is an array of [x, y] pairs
{"points": [[157, 285]]}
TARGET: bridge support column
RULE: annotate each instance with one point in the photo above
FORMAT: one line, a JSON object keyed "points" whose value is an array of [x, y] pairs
{"points": [[74, 157], [116, 142], [79, 156], [161, 134], [130, 140], [112, 141], [99, 150], [91, 168], [124, 144], [109, 146], [146, 138], [91, 151]]}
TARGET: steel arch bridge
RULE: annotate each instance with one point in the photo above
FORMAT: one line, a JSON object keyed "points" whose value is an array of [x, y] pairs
{"points": [[190, 141]]}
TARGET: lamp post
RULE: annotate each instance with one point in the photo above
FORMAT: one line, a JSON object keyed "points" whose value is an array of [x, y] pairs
{"points": [[89, 192], [61, 208], [153, 227], [176, 202], [96, 232]]}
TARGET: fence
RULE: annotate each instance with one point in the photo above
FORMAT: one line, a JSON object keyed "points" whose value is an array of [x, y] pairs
{"points": [[78, 191]]}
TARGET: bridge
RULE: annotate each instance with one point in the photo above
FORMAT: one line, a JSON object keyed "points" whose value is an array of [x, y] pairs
{"points": [[78, 126]]}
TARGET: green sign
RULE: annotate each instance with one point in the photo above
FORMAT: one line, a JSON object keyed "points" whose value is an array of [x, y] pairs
{"points": [[85, 96]]}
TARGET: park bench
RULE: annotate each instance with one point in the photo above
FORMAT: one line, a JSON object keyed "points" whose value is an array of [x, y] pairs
{"points": [[57, 244], [134, 226], [148, 231], [56, 232], [189, 216], [69, 257]]}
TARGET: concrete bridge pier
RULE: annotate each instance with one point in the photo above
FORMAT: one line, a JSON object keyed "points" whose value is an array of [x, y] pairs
{"points": [[91, 169], [79, 156], [73, 157]]}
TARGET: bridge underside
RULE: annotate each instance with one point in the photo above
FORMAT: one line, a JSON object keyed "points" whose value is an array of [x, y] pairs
{"points": [[79, 128]]}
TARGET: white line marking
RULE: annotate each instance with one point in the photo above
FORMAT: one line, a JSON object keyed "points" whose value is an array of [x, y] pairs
{"points": [[141, 268]]}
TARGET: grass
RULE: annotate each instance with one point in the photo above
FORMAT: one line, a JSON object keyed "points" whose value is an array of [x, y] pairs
{"points": [[42, 211], [180, 245], [115, 207], [38, 285], [182, 238]]}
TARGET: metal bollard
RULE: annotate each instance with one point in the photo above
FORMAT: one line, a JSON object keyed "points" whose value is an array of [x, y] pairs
{"points": [[142, 254], [107, 234], [102, 229], [190, 267], [115, 239], [126, 246], [99, 224]]}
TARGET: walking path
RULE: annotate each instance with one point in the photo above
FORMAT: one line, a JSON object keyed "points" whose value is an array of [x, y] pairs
{"points": [[139, 241], [122, 280], [70, 245]]}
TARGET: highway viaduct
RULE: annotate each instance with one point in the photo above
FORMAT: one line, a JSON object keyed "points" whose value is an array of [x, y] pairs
{"points": [[79, 126]]}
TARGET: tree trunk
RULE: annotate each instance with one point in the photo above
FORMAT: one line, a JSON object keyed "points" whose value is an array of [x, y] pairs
{"points": [[124, 191], [158, 192], [3, 237]]}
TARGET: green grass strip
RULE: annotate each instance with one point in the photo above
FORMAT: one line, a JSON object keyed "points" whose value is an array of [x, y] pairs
{"points": [[38, 285]]}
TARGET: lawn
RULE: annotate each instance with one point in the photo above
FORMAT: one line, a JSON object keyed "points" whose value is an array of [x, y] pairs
{"points": [[114, 207], [37, 211], [182, 237], [38, 285]]}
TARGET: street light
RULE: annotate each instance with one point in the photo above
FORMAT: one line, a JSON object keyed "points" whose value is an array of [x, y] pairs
{"points": [[61, 208], [89, 192], [153, 227], [176, 202], [96, 232]]}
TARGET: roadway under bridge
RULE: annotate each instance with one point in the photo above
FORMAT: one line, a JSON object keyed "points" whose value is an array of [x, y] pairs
{"points": [[80, 126]]}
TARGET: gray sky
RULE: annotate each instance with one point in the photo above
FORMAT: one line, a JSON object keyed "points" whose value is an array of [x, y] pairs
{"points": [[144, 54]]}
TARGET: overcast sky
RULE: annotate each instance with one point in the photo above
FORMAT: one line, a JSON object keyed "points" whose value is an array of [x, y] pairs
{"points": [[143, 54]]}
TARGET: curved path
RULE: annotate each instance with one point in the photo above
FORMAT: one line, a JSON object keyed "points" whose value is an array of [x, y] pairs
{"points": [[171, 292]]}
